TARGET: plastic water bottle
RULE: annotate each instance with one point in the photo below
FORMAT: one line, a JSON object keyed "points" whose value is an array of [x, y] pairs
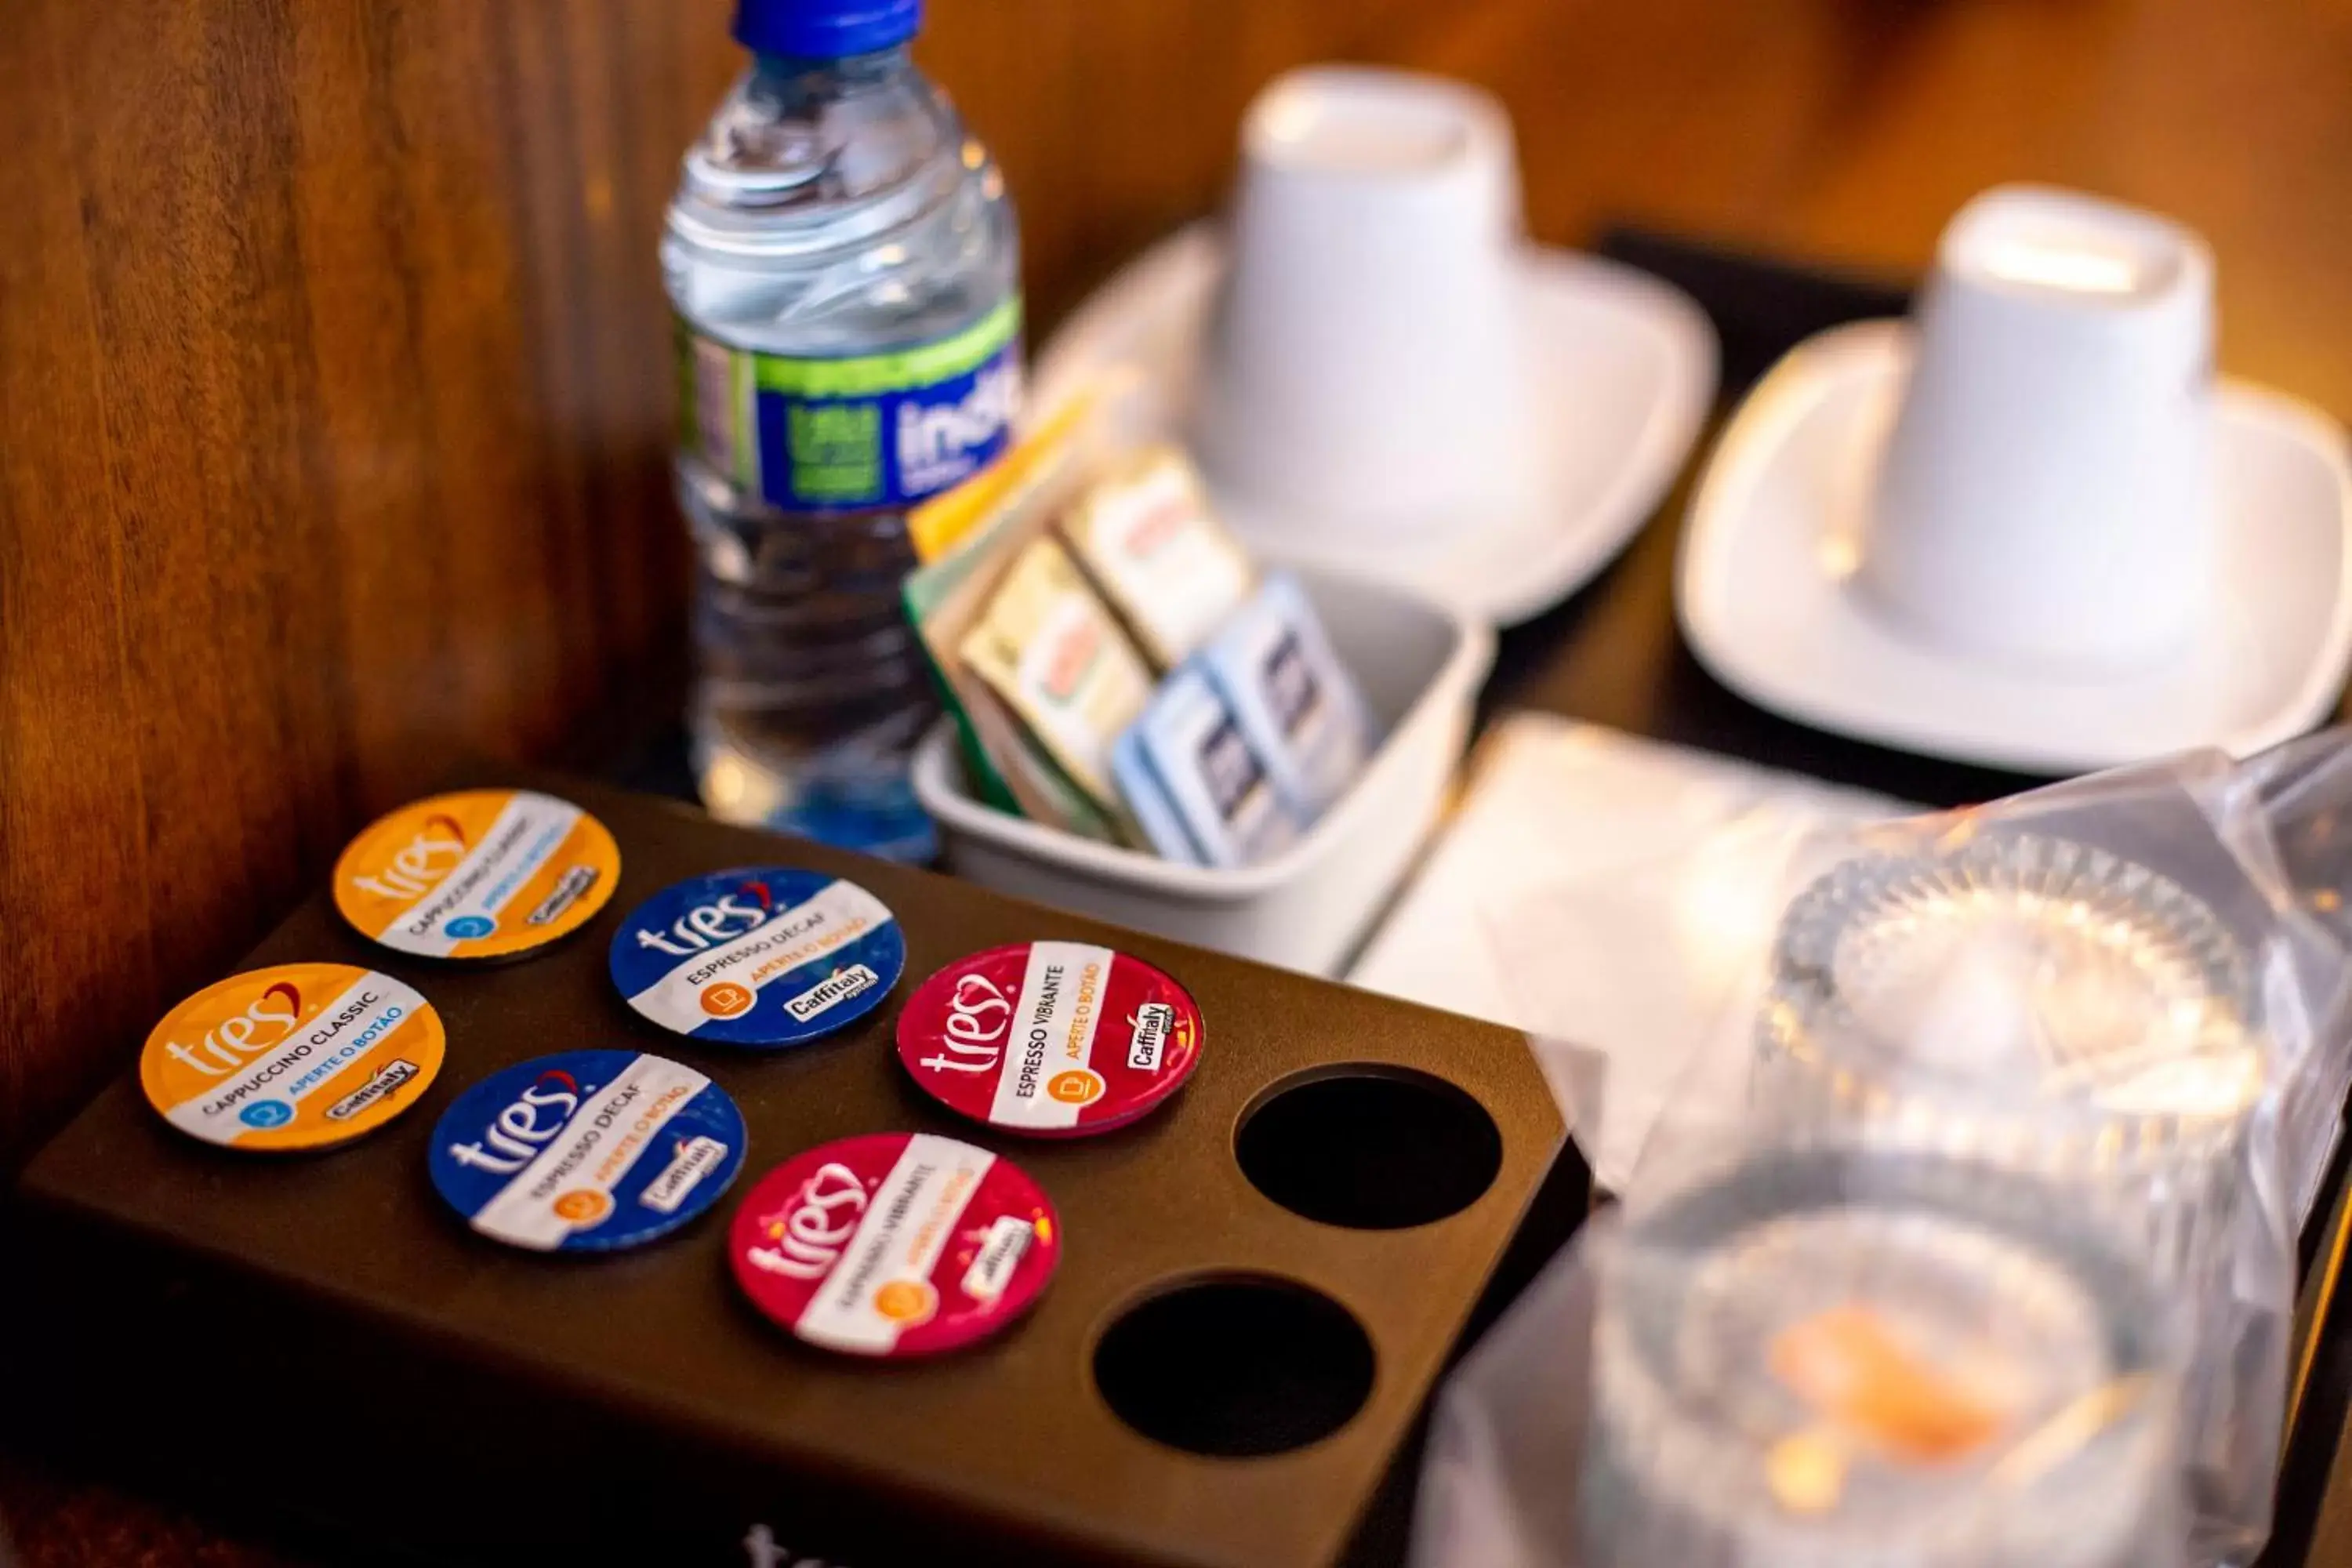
{"points": [[844, 267]]}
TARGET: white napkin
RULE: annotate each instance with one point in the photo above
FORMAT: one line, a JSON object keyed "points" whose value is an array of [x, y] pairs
{"points": [[1605, 892]]}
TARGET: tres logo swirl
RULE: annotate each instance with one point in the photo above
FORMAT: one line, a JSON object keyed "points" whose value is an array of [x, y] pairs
{"points": [[978, 1016], [808, 1236], [516, 1134], [421, 862], [706, 925], [234, 1038]]}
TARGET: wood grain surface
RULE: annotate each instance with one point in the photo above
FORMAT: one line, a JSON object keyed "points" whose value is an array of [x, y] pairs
{"points": [[334, 377]]}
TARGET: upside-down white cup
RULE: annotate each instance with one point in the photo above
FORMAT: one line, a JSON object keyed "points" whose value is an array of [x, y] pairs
{"points": [[2044, 497], [1363, 367]]}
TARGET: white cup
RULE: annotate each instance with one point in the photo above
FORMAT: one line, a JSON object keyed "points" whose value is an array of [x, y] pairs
{"points": [[2044, 497], [1363, 367]]}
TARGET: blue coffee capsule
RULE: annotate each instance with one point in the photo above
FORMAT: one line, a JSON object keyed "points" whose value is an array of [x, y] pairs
{"points": [[765, 956], [587, 1151]]}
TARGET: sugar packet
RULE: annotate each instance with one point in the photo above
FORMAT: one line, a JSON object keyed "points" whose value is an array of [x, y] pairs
{"points": [[1053, 654], [1196, 785], [1293, 701], [1145, 532]]}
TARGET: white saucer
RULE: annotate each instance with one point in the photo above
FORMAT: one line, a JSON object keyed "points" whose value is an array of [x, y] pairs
{"points": [[1629, 379], [1762, 592]]}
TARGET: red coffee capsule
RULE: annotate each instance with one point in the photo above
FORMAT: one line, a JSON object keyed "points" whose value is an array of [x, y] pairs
{"points": [[1052, 1039], [895, 1245]]}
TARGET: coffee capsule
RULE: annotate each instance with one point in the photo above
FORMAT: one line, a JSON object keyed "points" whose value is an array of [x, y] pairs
{"points": [[765, 956], [587, 1151], [484, 873], [1053, 1039], [895, 1245], [299, 1055]]}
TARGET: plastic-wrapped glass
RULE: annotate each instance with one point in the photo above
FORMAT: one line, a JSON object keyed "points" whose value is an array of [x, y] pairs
{"points": [[2130, 989], [1832, 1358], [2056, 1008], [2062, 1009]]}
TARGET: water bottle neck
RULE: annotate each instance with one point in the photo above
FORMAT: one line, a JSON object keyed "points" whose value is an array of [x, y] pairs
{"points": [[801, 78]]}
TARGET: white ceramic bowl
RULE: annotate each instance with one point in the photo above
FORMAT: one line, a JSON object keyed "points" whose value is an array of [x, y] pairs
{"points": [[1419, 664]]}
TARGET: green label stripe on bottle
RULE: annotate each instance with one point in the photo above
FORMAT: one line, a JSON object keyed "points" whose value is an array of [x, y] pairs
{"points": [[903, 370], [744, 415], [717, 413], [885, 429]]}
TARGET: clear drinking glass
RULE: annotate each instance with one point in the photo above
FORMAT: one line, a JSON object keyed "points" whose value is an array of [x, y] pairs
{"points": [[2035, 1002], [1856, 1357]]}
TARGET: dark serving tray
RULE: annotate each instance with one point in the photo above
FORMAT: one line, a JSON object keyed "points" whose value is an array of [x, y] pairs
{"points": [[319, 1336]]}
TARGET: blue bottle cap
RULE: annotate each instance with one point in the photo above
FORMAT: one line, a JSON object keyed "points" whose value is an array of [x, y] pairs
{"points": [[765, 956], [587, 1151], [824, 29]]}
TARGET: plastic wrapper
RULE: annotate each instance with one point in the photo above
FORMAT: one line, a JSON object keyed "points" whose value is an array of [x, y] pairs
{"points": [[2129, 989], [1821, 1354], [1646, 956]]}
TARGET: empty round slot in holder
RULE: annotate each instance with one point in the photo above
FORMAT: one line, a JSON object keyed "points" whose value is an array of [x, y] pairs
{"points": [[1371, 1148], [1235, 1366]]}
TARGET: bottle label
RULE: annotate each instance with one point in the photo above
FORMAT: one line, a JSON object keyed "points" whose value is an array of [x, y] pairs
{"points": [[874, 430]]}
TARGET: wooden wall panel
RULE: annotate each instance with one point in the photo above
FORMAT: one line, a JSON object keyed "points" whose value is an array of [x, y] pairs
{"points": [[333, 368], [332, 392]]}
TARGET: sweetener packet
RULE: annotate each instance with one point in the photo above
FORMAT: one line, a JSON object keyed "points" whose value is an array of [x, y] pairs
{"points": [[1295, 701], [1148, 802], [1187, 762], [1146, 534], [1051, 650], [965, 537]]}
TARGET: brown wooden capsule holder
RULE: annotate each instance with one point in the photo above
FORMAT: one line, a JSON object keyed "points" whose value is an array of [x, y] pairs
{"points": [[1212, 1378]]}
